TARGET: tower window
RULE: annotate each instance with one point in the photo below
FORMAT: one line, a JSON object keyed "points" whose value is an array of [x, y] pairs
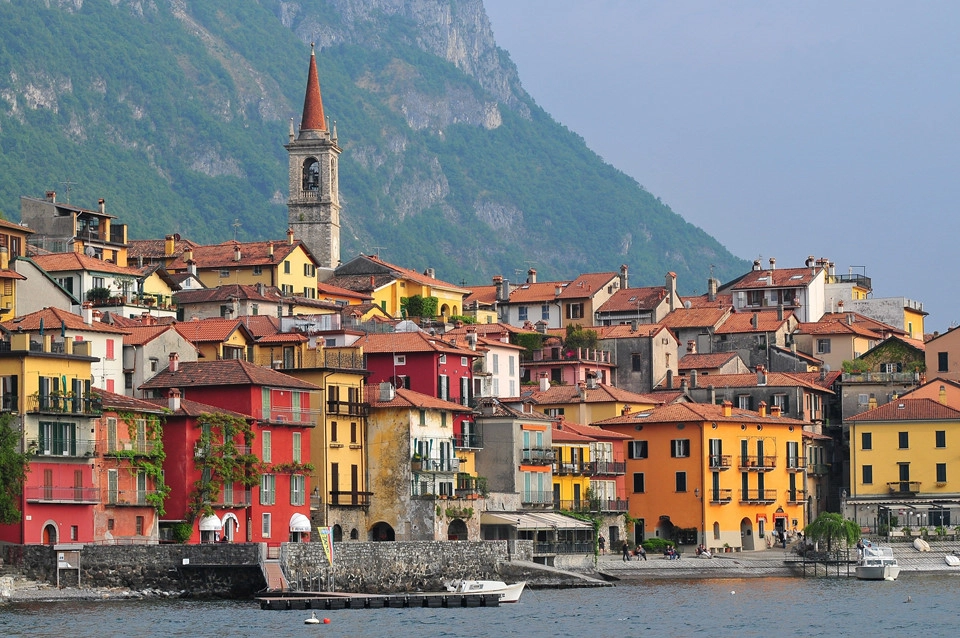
{"points": [[311, 175]]}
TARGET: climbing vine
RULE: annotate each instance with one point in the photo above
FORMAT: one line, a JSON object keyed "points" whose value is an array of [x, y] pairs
{"points": [[148, 460], [221, 461], [293, 467]]}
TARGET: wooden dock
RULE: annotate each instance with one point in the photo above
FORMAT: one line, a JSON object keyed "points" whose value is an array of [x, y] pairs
{"points": [[332, 600]]}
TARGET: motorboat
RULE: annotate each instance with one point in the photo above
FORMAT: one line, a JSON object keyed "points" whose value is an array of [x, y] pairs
{"points": [[952, 560], [921, 545], [508, 593], [877, 563]]}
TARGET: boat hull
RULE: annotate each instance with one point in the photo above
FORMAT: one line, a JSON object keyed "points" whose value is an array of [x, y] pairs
{"points": [[508, 593], [878, 572]]}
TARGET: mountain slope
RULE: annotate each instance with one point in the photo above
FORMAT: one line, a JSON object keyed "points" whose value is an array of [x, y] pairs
{"points": [[176, 114]]}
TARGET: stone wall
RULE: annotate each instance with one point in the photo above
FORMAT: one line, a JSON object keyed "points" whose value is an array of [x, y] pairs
{"points": [[397, 567]]}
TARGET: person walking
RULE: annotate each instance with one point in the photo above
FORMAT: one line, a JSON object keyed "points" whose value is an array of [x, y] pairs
{"points": [[626, 551], [602, 544]]}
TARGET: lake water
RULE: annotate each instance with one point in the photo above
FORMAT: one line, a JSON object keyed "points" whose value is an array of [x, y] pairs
{"points": [[736, 607]]}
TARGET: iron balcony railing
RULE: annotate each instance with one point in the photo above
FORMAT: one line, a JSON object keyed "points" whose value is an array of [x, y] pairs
{"points": [[127, 497], [904, 487], [538, 456], [51, 494], [763, 463], [347, 408], [239, 498], [594, 505], [350, 499], [67, 446], [569, 468], [534, 497], [758, 496], [721, 461], [796, 463], [796, 496], [472, 441], [137, 447], [605, 468], [818, 469], [64, 404], [200, 451], [721, 497]]}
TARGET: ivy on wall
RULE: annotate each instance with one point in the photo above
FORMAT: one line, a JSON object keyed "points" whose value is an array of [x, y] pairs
{"points": [[148, 460], [220, 460]]}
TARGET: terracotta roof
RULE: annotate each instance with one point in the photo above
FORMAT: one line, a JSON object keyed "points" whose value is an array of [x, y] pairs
{"points": [[681, 412], [404, 398], [413, 275], [154, 249], [625, 331], [261, 325], [822, 379], [252, 253], [594, 432], [909, 410], [496, 343], [224, 372], [838, 328], [634, 299], [313, 119], [214, 329], [326, 290], [538, 292], [486, 330], [61, 262], [863, 320], [563, 434], [6, 273], [774, 380], [282, 337], [496, 408], [723, 300], [139, 335], [588, 285], [15, 226], [485, 295], [742, 322], [195, 408], [706, 361], [406, 342], [227, 292], [778, 278], [113, 401], [802, 356], [695, 317], [600, 394], [53, 318]]}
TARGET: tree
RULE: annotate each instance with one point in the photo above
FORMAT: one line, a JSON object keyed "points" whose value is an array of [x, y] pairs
{"points": [[578, 337], [418, 306], [832, 528], [13, 470]]}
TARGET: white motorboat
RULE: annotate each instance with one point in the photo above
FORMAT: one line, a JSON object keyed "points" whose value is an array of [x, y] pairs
{"points": [[921, 545], [508, 593], [877, 563]]}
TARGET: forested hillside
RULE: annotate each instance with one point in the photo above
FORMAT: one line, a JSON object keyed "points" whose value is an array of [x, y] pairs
{"points": [[176, 114]]}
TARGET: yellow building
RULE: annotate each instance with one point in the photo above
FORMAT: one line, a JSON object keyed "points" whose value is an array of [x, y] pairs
{"points": [[13, 244], [62, 227], [587, 403], [389, 285], [713, 474], [904, 465], [287, 265], [571, 469], [219, 338]]}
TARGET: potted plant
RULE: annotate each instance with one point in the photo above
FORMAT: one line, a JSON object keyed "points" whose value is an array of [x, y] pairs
{"points": [[726, 548], [416, 463]]}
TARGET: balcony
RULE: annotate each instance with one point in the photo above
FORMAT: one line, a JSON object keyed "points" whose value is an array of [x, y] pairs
{"points": [[721, 461], [243, 498], [605, 468], [202, 451], [592, 506], [304, 417], [758, 463], [64, 404], [721, 497], [65, 495], [470, 441], [904, 488], [538, 456], [818, 469], [533, 497], [129, 498], [65, 447], [758, 496], [795, 497], [880, 377], [347, 408], [350, 499], [471, 487], [124, 448], [435, 465], [796, 463], [569, 469]]}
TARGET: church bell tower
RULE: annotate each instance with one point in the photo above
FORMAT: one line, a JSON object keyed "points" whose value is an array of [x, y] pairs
{"points": [[314, 202]]}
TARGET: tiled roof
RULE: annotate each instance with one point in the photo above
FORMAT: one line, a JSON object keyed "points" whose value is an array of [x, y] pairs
{"points": [[742, 322], [779, 278], [706, 361], [53, 318], [496, 408], [625, 331], [485, 295], [538, 292], [838, 328], [404, 398], [140, 335], [863, 320], [329, 292], [407, 342], [563, 434], [6, 273], [227, 292], [600, 394], [821, 379], [113, 401], [252, 253], [703, 301], [695, 317], [909, 410], [361, 283], [634, 299], [61, 262], [687, 412], [195, 408], [282, 337], [224, 372], [594, 432], [487, 330], [207, 330], [154, 249], [774, 380], [588, 285], [398, 272], [15, 226], [261, 325]]}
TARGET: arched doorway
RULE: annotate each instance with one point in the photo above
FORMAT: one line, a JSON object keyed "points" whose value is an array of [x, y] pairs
{"points": [[457, 531], [746, 535], [231, 526], [49, 534], [354, 534], [665, 528], [337, 534], [382, 532]]}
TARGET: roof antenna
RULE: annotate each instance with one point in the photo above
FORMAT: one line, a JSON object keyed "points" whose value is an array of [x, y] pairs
{"points": [[67, 184], [236, 228]]}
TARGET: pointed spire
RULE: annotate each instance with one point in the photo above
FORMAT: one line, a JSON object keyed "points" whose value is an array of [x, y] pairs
{"points": [[313, 119]]}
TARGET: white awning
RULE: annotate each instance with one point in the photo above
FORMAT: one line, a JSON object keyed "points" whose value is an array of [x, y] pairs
{"points": [[533, 520], [299, 523], [210, 524]]}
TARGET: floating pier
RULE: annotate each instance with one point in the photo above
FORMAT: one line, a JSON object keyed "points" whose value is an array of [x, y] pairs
{"points": [[282, 601]]}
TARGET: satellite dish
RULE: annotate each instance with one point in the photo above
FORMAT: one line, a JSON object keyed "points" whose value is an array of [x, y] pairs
{"points": [[89, 251], [687, 304]]}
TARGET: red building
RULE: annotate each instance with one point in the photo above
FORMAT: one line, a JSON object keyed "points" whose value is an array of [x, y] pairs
{"points": [[238, 465]]}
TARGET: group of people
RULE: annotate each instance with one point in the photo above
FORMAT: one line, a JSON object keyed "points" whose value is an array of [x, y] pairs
{"points": [[639, 552], [671, 553], [703, 552]]}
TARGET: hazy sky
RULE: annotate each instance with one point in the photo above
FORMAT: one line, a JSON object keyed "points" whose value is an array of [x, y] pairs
{"points": [[783, 129]]}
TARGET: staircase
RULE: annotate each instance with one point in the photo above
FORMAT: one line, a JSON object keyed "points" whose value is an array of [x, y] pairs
{"points": [[274, 575]]}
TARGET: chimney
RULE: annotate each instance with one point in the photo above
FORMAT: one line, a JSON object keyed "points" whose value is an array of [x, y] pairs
{"points": [[849, 318], [173, 399], [711, 289], [51, 197], [87, 312], [102, 206], [503, 292], [623, 277], [192, 267], [692, 346], [270, 250], [625, 410], [672, 289], [531, 276], [431, 273], [943, 394], [4, 258], [755, 321], [557, 290], [775, 410], [472, 338], [762, 410], [683, 384], [582, 391], [236, 252], [712, 393], [779, 312], [773, 263], [633, 325], [756, 265], [188, 254], [727, 409], [591, 382], [761, 375], [693, 378], [387, 392], [174, 362], [669, 379], [290, 236], [169, 245], [544, 382]]}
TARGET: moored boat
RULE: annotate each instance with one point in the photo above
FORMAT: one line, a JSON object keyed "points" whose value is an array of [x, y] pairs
{"points": [[921, 545], [877, 563], [508, 593]]}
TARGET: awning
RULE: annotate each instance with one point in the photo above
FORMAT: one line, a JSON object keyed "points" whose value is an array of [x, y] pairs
{"points": [[210, 524], [299, 523], [533, 520]]}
